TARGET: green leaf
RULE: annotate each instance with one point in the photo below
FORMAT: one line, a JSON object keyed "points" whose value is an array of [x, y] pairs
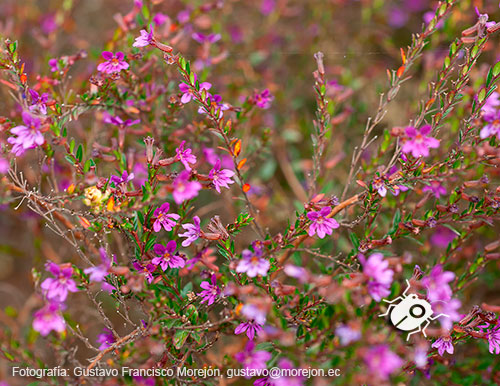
{"points": [[79, 153], [180, 338], [496, 69]]}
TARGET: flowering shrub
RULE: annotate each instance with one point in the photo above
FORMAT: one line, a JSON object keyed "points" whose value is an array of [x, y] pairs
{"points": [[169, 201]]}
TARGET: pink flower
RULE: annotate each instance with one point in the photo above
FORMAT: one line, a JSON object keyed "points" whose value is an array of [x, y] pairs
{"points": [[263, 99], [144, 40], [56, 289], [494, 339], [53, 64], [347, 335], [147, 270], [382, 362], [436, 188], [320, 224], [193, 232], [117, 121], [253, 264], [185, 189], [99, 272], [442, 237], [251, 359], [202, 38], [4, 165], [211, 291], [379, 275], [251, 327], [492, 103], [47, 319], [449, 308], [38, 102], [444, 344], [105, 339], [114, 63], [417, 142], [166, 256], [492, 117], [187, 91], [186, 157], [221, 178], [437, 284], [28, 135], [164, 219], [160, 19]]}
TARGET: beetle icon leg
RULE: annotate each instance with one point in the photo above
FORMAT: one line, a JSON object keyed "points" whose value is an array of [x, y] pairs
{"points": [[437, 316], [407, 288], [414, 332], [426, 325], [388, 310]]}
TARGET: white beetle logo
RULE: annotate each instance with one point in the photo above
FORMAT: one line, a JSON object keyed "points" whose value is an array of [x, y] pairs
{"points": [[410, 313]]}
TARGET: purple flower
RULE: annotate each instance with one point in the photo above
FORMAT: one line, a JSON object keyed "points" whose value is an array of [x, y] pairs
{"points": [[267, 6], [379, 275], [185, 156], [221, 178], [117, 121], [449, 308], [114, 63], [185, 189], [442, 237], [251, 359], [56, 289], [263, 99], [4, 165], [253, 264], [251, 327], [216, 102], [53, 64], [417, 141], [192, 233], [202, 38], [492, 102], [164, 219], [436, 188], [492, 117], [160, 19], [381, 361], [437, 284], [320, 224], [494, 339], [105, 339], [252, 312], [147, 270], [28, 135], [38, 102], [286, 364], [211, 291], [347, 335], [140, 173], [184, 16], [144, 40], [212, 157], [166, 256], [47, 319], [124, 179], [187, 91], [99, 272], [444, 344]]}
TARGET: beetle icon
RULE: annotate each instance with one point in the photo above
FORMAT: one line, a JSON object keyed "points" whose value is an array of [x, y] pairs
{"points": [[410, 313]]}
